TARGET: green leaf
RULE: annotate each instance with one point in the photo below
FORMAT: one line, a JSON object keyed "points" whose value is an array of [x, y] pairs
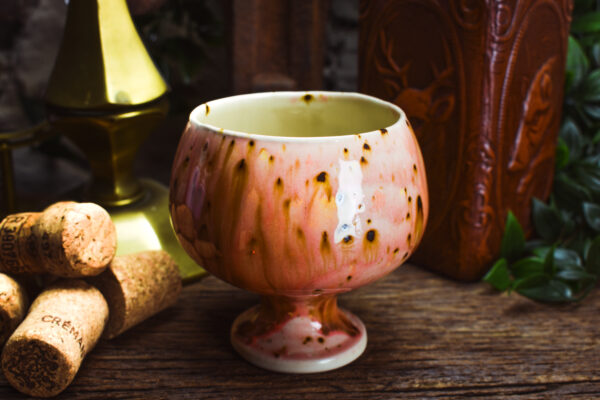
{"points": [[587, 243], [532, 245], [577, 62], [547, 220], [542, 251], [568, 187], [549, 267], [587, 23], [592, 110], [568, 193], [592, 261], [499, 276], [546, 290], [530, 281], [566, 258], [569, 225], [588, 175], [562, 154], [591, 86], [569, 77], [513, 241], [595, 53], [565, 290], [596, 137], [591, 212], [527, 267], [593, 160], [574, 275]]}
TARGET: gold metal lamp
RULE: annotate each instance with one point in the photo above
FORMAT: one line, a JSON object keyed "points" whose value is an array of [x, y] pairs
{"points": [[106, 95]]}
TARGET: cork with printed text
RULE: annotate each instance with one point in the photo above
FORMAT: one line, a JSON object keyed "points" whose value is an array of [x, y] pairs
{"points": [[67, 239], [64, 323]]}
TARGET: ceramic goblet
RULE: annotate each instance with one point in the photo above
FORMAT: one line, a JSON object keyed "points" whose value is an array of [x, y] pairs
{"points": [[298, 197]]}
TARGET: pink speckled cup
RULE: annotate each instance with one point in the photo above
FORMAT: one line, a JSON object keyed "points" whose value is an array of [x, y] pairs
{"points": [[299, 197]]}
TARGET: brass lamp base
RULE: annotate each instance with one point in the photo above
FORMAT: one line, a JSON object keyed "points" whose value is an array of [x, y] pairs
{"points": [[145, 225], [106, 95]]}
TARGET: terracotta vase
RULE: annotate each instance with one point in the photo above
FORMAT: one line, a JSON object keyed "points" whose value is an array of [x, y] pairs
{"points": [[482, 83]]}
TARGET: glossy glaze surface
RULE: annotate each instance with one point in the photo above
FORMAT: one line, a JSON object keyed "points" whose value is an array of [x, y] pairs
{"points": [[288, 335], [298, 197], [299, 215]]}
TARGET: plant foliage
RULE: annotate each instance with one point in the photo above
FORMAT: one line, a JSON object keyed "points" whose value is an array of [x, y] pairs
{"points": [[563, 263], [179, 37]]}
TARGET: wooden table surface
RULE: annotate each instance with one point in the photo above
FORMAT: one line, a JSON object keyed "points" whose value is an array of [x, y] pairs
{"points": [[428, 338]]}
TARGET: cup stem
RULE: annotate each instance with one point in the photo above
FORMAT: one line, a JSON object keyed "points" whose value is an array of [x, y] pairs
{"points": [[298, 334]]}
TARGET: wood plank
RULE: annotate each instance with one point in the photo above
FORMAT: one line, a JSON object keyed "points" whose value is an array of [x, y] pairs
{"points": [[428, 338]]}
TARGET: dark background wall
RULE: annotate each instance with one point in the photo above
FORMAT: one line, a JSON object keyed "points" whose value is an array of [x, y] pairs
{"points": [[188, 39], [196, 67]]}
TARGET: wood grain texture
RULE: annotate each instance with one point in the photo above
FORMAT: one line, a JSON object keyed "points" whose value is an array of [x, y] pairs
{"points": [[428, 338], [277, 44]]}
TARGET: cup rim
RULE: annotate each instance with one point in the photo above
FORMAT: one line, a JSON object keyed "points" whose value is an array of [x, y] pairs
{"points": [[201, 109]]}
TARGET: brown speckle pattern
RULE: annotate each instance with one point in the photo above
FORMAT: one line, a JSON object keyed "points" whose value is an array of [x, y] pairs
{"points": [[325, 246], [242, 164], [419, 224], [371, 235], [321, 177], [307, 98]]}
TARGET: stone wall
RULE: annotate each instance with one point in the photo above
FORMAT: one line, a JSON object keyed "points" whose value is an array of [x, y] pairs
{"points": [[30, 33]]}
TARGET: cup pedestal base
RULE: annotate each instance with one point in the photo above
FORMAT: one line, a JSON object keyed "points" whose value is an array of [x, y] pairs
{"points": [[298, 335]]}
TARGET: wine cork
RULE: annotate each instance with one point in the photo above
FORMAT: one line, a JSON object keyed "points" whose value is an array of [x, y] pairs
{"points": [[13, 306], [137, 286], [67, 239], [65, 321], [18, 249]]}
